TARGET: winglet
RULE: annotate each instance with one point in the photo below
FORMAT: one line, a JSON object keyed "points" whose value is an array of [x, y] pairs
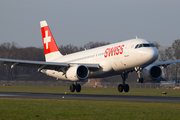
{"points": [[50, 48]]}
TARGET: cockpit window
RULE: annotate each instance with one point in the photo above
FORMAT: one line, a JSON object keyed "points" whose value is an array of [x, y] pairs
{"points": [[137, 46], [152, 45], [144, 45], [140, 45]]}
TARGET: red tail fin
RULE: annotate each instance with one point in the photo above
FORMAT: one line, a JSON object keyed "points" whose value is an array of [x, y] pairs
{"points": [[49, 42]]}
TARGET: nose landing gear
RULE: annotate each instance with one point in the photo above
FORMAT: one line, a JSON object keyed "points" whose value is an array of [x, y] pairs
{"points": [[139, 79]]}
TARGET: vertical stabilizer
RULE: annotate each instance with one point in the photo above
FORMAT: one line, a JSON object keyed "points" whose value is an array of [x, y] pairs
{"points": [[50, 48]]}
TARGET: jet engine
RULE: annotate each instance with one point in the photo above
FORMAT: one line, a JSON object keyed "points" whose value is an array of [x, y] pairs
{"points": [[151, 73], [78, 72]]}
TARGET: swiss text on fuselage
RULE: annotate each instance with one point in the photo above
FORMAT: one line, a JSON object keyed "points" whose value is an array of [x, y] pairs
{"points": [[114, 51]]}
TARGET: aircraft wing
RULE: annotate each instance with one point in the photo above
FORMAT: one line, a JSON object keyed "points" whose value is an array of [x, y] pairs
{"points": [[165, 63], [44, 65]]}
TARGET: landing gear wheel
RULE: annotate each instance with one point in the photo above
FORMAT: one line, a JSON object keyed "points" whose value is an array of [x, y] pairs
{"points": [[140, 80], [126, 88], [120, 87], [72, 87], [78, 88]]}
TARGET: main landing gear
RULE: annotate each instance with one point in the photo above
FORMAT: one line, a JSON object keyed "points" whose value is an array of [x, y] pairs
{"points": [[76, 87], [123, 86]]}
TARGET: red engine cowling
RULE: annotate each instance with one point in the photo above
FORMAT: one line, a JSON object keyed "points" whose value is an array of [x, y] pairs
{"points": [[151, 73]]}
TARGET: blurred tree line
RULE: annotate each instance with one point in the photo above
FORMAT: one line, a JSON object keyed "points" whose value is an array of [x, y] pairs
{"points": [[171, 72], [14, 51]]}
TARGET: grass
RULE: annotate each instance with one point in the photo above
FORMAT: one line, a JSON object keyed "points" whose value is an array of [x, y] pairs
{"points": [[91, 90], [53, 109], [47, 109]]}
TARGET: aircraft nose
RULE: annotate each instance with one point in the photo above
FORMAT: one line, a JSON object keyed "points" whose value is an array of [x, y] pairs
{"points": [[152, 54]]}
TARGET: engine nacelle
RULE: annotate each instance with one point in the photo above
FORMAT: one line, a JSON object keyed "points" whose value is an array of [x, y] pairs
{"points": [[151, 73], [78, 72]]}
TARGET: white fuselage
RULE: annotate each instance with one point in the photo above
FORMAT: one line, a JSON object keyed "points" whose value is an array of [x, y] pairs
{"points": [[113, 58]]}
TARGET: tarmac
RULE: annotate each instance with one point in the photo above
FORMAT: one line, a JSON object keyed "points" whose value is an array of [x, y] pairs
{"points": [[89, 97]]}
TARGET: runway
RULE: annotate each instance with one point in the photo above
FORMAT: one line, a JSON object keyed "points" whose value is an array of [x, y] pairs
{"points": [[89, 97]]}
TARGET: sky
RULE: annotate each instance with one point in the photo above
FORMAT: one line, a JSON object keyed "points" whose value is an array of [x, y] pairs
{"points": [[79, 22]]}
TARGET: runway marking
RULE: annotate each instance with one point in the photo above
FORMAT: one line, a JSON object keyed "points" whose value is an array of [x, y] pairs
{"points": [[6, 95]]}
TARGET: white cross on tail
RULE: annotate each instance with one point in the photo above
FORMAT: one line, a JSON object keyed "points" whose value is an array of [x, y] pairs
{"points": [[47, 39]]}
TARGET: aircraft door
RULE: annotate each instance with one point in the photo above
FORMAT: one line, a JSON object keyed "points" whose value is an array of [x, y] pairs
{"points": [[126, 49]]}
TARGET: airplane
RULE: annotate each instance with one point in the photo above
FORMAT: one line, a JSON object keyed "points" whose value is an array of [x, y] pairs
{"points": [[119, 58]]}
